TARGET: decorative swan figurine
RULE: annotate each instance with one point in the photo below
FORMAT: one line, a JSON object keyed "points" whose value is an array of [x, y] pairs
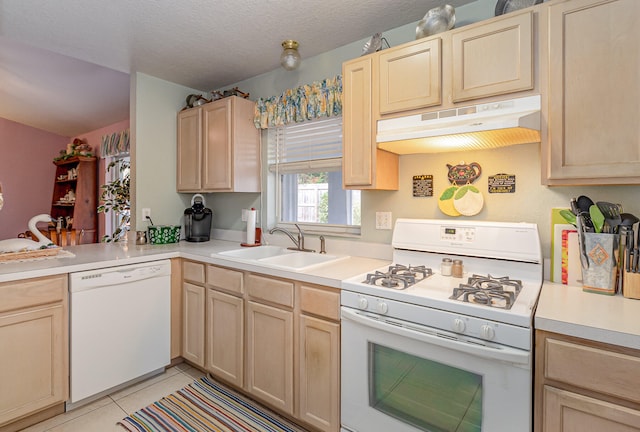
{"points": [[19, 244]]}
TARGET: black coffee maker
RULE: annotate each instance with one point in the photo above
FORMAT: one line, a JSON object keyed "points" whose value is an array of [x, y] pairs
{"points": [[197, 220]]}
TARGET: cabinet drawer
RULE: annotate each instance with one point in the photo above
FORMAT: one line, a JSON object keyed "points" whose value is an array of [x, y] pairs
{"points": [[228, 280], [606, 372], [32, 292], [271, 290], [320, 301], [193, 272]]}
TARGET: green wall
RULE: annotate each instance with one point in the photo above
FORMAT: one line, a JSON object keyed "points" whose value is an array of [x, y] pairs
{"points": [[156, 102]]}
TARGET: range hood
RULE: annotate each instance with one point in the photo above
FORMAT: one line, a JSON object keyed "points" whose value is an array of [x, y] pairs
{"points": [[474, 127]]}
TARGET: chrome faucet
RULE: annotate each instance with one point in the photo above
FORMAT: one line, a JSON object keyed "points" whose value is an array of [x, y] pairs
{"points": [[299, 242]]}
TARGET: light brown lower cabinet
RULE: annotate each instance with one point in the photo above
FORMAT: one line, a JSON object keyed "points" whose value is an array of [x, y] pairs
{"points": [[225, 336], [270, 355], [583, 385], [276, 340], [34, 367], [319, 372], [270, 336], [566, 411]]}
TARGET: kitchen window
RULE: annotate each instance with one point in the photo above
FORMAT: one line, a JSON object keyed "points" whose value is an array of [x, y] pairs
{"points": [[305, 168], [119, 171]]}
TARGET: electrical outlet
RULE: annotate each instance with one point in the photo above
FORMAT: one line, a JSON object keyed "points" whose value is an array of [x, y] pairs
{"points": [[146, 213], [383, 220]]}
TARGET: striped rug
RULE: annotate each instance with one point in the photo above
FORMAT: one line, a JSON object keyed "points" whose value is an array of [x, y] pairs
{"points": [[205, 406]]}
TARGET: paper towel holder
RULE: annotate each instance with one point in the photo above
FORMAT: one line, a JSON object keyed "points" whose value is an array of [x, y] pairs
{"points": [[258, 239]]}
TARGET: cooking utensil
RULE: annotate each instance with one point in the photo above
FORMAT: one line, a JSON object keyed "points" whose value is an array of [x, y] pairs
{"points": [[611, 213], [626, 232], [628, 220], [636, 253], [574, 206], [621, 256], [568, 216], [584, 260], [597, 218], [584, 203]]}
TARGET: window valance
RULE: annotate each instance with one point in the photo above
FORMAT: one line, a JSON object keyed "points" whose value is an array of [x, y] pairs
{"points": [[115, 144], [307, 102]]}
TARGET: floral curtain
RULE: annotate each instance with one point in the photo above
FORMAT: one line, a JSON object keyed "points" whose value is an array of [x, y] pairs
{"points": [[307, 102]]}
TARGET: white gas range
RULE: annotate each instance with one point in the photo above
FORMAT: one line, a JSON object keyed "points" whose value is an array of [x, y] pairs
{"points": [[411, 330]]}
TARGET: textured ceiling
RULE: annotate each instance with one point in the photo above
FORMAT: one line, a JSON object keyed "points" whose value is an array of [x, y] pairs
{"points": [[64, 64]]}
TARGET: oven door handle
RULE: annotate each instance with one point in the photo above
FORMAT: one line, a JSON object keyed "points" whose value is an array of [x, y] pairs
{"points": [[441, 338]]}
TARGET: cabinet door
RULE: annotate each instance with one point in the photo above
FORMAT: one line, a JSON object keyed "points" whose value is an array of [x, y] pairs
{"points": [[33, 365], [410, 77], [565, 411], [319, 373], [493, 59], [363, 165], [357, 123], [225, 336], [270, 355], [189, 150], [593, 129], [216, 146], [193, 304]]}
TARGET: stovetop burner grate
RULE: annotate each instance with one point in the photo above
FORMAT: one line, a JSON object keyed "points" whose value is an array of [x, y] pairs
{"points": [[398, 276], [497, 292]]}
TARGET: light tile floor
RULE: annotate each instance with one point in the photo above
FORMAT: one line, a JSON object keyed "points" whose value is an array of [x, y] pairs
{"points": [[104, 413]]}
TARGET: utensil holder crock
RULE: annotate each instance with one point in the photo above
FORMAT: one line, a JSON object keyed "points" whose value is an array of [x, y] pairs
{"points": [[602, 255]]}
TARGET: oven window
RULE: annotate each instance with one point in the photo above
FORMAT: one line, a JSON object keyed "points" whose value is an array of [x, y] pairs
{"points": [[429, 395]]}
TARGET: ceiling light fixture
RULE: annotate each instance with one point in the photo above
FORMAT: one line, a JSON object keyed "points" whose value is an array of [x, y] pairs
{"points": [[290, 58]]}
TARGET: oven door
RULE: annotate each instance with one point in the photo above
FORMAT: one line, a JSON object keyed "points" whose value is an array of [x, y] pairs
{"points": [[404, 377]]}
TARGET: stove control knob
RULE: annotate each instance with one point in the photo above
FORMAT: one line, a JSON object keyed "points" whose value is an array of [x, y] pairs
{"points": [[363, 303], [458, 325], [487, 332], [382, 308]]}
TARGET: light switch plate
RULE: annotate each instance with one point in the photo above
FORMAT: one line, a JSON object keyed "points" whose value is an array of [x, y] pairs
{"points": [[383, 220]]}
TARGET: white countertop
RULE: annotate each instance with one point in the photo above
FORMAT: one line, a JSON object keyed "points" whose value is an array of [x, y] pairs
{"points": [[561, 309], [570, 311], [103, 255]]}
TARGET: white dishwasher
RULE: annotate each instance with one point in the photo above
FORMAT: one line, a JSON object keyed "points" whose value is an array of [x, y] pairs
{"points": [[120, 326]]}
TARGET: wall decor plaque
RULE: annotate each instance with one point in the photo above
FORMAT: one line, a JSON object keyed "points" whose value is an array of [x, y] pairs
{"points": [[502, 183], [423, 185]]}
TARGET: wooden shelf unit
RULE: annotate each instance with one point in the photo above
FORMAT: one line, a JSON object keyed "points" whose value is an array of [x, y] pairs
{"points": [[83, 209]]}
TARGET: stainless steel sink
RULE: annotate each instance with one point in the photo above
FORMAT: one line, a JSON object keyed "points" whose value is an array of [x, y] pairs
{"points": [[280, 257]]}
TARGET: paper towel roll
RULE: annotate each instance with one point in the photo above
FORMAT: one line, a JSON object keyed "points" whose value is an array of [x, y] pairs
{"points": [[251, 226]]}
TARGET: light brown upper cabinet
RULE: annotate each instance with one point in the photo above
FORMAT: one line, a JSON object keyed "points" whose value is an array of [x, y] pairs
{"points": [[363, 165], [410, 76], [593, 92], [218, 148], [487, 61], [493, 59]]}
